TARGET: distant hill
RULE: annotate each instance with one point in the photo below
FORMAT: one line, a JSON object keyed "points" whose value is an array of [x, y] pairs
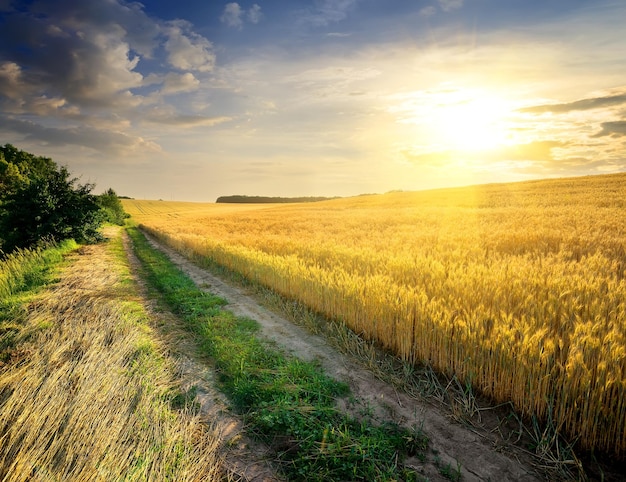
{"points": [[242, 199]]}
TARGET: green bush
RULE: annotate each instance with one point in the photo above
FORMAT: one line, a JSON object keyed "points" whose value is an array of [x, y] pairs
{"points": [[112, 208], [51, 208], [41, 202]]}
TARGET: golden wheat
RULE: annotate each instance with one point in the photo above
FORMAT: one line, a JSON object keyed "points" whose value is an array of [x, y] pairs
{"points": [[519, 289]]}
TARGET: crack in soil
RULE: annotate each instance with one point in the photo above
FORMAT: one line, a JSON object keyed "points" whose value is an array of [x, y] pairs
{"points": [[452, 444]]}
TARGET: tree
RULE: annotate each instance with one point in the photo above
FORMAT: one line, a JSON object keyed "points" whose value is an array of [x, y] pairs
{"points": [[17, 167], [112, 207], [41, 201]]}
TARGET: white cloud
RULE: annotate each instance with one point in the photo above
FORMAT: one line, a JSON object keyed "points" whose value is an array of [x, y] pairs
{"points": [[327, 12], [175, 83], [46, 106], [232, 15], [172, 82], [89, 53], [114, 68], [449, 5], [187, 120], [254, 14], [188, 50], [428, 11], [10, 84]]}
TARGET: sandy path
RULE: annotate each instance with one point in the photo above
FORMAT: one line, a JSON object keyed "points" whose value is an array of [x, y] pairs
{"points": [[452, 443]]}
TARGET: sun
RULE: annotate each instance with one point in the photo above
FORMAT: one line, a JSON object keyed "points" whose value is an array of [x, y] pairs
{"points": [[469, 124], [457, 119]]}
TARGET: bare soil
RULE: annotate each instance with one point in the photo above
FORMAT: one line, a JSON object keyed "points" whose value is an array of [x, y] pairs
{"points": [[480, 455]]}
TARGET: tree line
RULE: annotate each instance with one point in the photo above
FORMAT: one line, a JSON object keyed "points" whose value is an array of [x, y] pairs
{"points": [[243, 199], [41, 201]]}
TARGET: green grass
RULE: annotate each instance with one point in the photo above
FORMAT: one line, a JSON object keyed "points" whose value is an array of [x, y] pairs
{"points": [[286, 402], [30, 268]]}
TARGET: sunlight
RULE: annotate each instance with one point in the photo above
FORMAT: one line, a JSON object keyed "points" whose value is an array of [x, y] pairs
{"points": [[457, 119], [469, 124]]}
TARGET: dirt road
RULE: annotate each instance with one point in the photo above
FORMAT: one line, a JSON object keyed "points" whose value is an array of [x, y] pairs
{"points": [[452, 444]]}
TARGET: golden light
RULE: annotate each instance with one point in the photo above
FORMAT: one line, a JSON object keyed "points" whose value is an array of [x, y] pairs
{"points": [[456, 119], [470, 124]]}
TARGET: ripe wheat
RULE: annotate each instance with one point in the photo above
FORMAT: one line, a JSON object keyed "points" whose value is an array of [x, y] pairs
{"points": [[519, 289]]}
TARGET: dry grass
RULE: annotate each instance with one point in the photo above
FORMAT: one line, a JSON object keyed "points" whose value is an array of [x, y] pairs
{"points": [[90, 395], [24, 266]]}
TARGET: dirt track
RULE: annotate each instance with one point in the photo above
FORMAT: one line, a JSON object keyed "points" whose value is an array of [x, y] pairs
{"points": [[450, 442]]}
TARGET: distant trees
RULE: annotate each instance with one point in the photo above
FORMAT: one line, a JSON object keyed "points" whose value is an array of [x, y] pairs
{"points": [[270, 199], [41, 201]]}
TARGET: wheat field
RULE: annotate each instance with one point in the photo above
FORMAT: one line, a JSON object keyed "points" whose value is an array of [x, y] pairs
{"points": [[518, 289]]}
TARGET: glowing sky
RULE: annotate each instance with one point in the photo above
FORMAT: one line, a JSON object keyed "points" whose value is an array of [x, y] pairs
{"points": [[193, 99]]}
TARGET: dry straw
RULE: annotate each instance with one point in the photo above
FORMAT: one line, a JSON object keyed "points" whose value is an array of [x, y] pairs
{"points": [[88, 398]]}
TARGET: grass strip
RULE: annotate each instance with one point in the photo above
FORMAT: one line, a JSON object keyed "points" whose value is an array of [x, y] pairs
{"points": [[30, 268], [286, 402], [22, 274]]}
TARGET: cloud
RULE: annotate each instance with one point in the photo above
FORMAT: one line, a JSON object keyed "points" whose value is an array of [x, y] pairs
{"points": [[445, 5], [187, 120], [428, 11], [11, 84], [536, 151], [254, 14], [330, 80], [112, 142], [87, 66], [233, 15], [89, 53], [327, 12], [174, 83], [449, 5], [582, 104], [92, 62], [531, 151], [188, 50], [614, 129]]}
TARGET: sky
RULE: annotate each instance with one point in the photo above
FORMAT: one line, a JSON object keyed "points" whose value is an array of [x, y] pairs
{"points": [[190, 100]]}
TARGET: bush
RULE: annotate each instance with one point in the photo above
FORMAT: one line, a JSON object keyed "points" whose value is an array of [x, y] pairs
{"points": [[40, 201], [112, 208], [50, 208]]}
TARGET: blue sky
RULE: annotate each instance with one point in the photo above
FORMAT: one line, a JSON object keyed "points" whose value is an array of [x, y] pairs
{"points": [[191, 100]]}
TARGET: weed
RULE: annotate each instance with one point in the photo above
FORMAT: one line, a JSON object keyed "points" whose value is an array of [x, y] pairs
{"points": [[451, 473]]}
